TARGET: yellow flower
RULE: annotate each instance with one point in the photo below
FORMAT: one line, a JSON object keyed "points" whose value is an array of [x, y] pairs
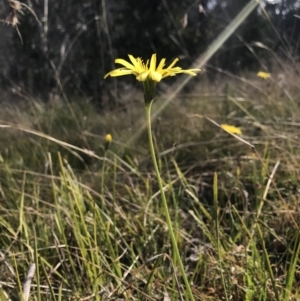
{"points": [[143, 71], [263, 75], [231, 129], [108, 138], [148, 74]]}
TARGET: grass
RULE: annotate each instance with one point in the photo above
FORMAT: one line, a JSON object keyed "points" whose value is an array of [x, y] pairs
{"points": [[92, 221]]}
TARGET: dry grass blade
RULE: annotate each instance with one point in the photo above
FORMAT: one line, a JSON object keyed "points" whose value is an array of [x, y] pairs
{"points": [[27, 283], [270, 180]]}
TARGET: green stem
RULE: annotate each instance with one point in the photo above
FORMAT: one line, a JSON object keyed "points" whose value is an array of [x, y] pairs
{"points": [[102, 181], [164, 201]]}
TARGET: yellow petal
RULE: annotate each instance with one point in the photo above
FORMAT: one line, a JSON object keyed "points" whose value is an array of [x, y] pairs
{"points": [[119, 72], [231, 129], [124, 63], [161, 65], [189, 72], [156, 76], [174, 62], [153, 62], [142, 76], [137, 63], [167, 73]]}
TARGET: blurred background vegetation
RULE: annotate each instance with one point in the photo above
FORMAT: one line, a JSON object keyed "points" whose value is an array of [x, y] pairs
{"points": [[77, 42]]}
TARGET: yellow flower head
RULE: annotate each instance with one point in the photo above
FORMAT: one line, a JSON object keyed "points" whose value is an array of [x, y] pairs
{"points": [[143, 71], [263, 75], [148, 73], [108, 138], [231, 129]]}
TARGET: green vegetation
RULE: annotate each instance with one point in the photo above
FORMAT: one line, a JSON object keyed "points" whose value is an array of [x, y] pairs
{"points": [[92, 220]]}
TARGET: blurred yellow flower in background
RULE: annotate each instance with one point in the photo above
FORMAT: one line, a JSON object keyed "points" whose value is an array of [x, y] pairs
{"points": [[231, 129], [263, 75], [108, 138]]}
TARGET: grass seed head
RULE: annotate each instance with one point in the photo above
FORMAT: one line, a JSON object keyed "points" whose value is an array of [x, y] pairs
{"points": [[12, 19], [16, 5]]}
